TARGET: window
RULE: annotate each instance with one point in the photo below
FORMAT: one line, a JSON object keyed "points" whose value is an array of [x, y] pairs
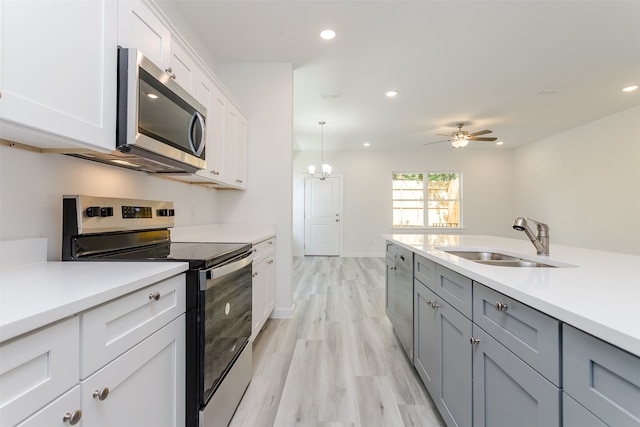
{"points": [[433, 199]]}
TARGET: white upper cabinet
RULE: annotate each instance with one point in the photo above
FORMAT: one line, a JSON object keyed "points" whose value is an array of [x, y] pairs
{"points": [[58, 73], [140, 28], [183, 68]]}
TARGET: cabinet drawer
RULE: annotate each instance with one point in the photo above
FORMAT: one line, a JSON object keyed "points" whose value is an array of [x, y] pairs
{"points": [[111, 329], [454, 288], [264, 249], [53, 414], [36, 368], [601, 377], [424, 270], [531, 335]]}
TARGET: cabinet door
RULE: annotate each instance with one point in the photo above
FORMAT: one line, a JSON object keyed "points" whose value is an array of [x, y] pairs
{"points": [[426, 346], [230, 143], [574, 414], [390, 288], [270, 278], [146, 385], [183, 68], [507, 391], [140, 28], [53, 415], [60, 82], [241, 152], [36, 368], [455, 365], [211, 96], [601, 377], [257, 285]]}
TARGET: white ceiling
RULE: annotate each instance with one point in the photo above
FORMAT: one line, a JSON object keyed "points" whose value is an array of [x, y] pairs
{"points": [[481, 62]]}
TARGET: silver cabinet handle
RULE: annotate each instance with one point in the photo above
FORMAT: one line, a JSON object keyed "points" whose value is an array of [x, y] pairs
{"points": [[434, 305], [101, 394], [270, 261], [72, 417], [500, 306], [473, 340], [169, 71], [215, 172], [254, 274], [239, 181], [154, 296]]}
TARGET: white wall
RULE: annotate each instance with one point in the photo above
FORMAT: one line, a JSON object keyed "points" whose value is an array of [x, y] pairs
{"points": [[487, 191], [265, 93], [585, 183], [32, 186]]}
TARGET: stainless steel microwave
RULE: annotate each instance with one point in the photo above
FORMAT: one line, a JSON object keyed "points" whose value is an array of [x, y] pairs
{"points": [[157, 119]]}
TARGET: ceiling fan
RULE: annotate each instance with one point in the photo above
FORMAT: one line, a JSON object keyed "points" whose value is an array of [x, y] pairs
{"points": [[461, 138]]}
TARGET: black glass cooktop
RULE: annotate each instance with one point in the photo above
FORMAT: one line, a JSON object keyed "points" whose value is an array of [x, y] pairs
{"points": [[198, 255]]}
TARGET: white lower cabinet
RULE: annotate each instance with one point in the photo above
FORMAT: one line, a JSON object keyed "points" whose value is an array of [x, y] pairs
{"points": [[143, 387], [263, 285], [35, 369], [119, 364]]}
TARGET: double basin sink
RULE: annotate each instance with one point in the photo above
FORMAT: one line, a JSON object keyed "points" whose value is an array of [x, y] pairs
{"points": [[499, 259]]}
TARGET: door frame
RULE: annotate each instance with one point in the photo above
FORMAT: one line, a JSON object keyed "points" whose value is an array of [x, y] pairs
{"points": [[340, 212]]}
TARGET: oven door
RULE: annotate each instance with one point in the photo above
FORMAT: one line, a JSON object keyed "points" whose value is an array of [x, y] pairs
{"points": [[225, 319]]}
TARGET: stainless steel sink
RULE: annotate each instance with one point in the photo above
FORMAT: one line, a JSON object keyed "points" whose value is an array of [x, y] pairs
{"points": [[497, 259]]}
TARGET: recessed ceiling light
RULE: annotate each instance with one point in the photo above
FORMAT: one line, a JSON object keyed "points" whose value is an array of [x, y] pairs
{"points": [[392, 93], [327, 34], [499, 142], [152, 95], [630, 88], [367, 144]]}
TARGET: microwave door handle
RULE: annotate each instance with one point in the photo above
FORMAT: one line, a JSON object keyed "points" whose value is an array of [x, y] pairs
{"points": [[197, 118]]}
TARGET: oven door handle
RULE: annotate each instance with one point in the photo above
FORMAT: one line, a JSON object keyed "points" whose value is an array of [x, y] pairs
{"points": [[223, 270]]}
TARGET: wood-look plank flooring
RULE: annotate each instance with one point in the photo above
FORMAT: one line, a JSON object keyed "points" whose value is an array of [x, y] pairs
{"points": [[337, 361]]}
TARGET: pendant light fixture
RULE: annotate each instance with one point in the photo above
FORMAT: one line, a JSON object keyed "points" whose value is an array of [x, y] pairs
{"points": [[324, 167]]}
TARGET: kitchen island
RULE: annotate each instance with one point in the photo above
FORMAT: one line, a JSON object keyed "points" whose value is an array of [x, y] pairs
{"points": [[598, 292], [552, 342]]}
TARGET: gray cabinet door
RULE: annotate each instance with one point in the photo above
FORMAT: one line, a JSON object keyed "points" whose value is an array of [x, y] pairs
{"points": [[601, 377], [426, 345], [574, 414], [454, 392], [390, 285], [508, 392]]}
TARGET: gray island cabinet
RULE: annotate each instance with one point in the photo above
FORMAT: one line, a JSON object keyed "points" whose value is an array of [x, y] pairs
{"points": [[488, 359]]}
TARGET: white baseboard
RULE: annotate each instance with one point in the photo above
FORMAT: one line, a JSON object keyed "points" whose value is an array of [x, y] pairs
{"points": [[283, 313]]}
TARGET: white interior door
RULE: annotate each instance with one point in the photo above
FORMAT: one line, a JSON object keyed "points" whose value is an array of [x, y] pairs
{"points": [[322, 209]]}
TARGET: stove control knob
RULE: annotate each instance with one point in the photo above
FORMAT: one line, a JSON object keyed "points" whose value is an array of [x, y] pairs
{"points": [[171, 212], [93, 211], [108, 211], [162, 212]]}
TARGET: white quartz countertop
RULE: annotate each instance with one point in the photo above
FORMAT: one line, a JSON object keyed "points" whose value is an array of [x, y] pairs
{"points": [[224, 233], [34, 295], [599, 293]]}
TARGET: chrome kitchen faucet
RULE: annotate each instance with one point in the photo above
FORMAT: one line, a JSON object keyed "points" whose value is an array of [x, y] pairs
{"points": [[541, 240]]}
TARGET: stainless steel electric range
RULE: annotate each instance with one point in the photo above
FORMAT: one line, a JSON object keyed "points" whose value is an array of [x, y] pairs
{"points": [[218, 312]]}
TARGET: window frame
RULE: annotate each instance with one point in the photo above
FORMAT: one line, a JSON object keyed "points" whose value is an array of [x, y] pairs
{"points": [[426, 200]]}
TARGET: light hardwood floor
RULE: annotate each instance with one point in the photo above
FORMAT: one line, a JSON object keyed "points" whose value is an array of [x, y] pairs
{"points": [[337, 361]]}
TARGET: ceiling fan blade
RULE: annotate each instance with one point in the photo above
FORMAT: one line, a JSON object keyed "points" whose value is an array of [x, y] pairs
{"points": [[436, 142], [482, 139], [481, 132]]}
